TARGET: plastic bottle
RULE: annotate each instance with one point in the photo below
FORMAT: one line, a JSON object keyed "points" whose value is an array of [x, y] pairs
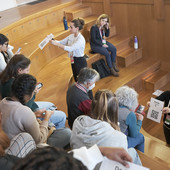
{"points": [[135, 42], [65, 23]]}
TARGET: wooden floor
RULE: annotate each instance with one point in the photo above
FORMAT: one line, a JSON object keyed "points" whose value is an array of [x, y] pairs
{"points": [[12, 15], [56, 75]]}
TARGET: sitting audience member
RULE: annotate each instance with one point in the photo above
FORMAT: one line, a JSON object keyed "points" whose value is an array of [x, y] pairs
{"points": [[102, 127], [17, 118], [6, 161], [57, 159], [98, 43], [11, 151], [19, 64], [130, 122], [5, 52], [78, 101], [165, 97]]}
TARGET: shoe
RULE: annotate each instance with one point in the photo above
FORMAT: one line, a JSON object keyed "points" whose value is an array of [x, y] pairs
{"points": [[113, 72], [115, 67]]}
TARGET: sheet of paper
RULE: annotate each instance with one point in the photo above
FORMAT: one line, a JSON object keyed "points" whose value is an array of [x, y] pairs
{"points": [[155, 110], [108, 164], [45, 41], [157, 92]]}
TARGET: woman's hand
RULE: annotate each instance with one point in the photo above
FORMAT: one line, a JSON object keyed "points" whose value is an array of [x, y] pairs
{"points": [[105, 45], [148, 103], [54, 42], [139, 116], [166, 110], [48, 114], [39, 113]]}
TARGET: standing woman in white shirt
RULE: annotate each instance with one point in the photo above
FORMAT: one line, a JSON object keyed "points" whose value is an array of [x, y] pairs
{"points": [[75, 45]]}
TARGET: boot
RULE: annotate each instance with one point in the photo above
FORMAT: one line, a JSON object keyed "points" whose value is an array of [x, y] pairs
{"points": [[113, 72], [115, 67]]}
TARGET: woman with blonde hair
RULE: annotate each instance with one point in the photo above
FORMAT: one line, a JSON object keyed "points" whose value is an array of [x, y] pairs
{"points": [[102, 127], [98, 42]]}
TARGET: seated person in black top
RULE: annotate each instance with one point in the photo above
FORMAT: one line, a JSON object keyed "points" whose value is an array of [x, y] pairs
{"points": [[165, 97]]}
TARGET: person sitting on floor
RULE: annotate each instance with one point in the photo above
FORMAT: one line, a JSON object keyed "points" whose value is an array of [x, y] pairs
{"points": [[98, 43], [19, 64], [78, 101], [5, 52], [130, 122], [12, 151], [58, 159], [17, 118], [101, 127]]}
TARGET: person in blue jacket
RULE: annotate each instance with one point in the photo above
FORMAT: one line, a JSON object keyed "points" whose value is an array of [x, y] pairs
{"points": [[98, 43], [130, 122]]}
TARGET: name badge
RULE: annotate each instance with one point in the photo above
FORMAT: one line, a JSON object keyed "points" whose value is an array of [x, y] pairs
{"points": [[72, 59]]}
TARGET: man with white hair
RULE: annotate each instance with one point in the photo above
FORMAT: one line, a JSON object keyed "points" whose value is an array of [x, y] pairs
{"points": [[78, 101], [130, 122]]}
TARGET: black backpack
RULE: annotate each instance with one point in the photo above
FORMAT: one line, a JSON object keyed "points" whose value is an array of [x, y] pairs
{"points": [[101, 68]]}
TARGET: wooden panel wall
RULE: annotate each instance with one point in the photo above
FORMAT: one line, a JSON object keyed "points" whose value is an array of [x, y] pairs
{"points": [[148, 19]]}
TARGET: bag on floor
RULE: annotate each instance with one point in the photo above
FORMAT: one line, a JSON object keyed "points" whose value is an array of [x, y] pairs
{"points": [[101, 68]]}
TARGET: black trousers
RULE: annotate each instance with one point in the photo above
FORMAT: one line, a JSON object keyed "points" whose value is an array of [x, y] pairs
{"points": [[79, 63], [166, 133]]}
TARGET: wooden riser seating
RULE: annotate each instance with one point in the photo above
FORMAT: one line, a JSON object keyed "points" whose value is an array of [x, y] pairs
{"points": [[82, 11], [128, 56], [30, 31], [152, 163], [156, 80]]}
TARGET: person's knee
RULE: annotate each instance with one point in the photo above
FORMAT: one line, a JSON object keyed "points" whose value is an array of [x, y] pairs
{"points": [[142, 138]]}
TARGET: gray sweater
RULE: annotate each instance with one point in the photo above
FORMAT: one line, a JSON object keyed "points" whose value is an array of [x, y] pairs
{"points": [[17, 118], [87, 132]]}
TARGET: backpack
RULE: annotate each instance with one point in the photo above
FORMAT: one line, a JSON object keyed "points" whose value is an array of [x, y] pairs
{"points": [[101, 68]]}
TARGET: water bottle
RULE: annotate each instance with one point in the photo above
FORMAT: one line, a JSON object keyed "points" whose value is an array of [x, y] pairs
{"points": [[135, 42], [65, 23]]}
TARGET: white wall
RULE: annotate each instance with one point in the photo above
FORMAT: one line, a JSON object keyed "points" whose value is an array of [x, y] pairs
{"points": [[6, 4]]}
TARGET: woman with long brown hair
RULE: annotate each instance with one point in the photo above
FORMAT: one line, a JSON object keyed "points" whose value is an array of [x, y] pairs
{"points": [[102, 128]]}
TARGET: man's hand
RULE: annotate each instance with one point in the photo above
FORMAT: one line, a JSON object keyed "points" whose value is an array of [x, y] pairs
{"points": [[117, 154]]}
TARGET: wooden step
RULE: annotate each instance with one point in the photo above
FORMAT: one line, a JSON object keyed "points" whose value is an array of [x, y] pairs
{"points": [[156, 149], [120, 42], [152, 163], [156, 80], [82, 11], [128, 56]]}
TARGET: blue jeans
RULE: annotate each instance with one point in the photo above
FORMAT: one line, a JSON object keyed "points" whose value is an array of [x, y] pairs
{"points": [[58, 118], [137, 142], [109, 53], [59, 138], [135, 157]]}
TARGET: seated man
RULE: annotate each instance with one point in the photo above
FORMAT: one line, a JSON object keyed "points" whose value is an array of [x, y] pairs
{"points": [[78, 101]]}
